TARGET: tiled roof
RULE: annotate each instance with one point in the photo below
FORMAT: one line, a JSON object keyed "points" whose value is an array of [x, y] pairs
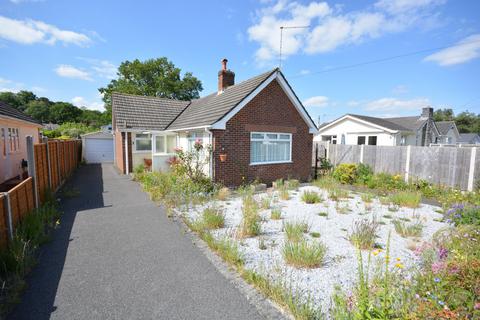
{"points": [[11, 112], [469, 137], [401, 124], [151, 113], [145, 113], [444, 126], [208, 110]]}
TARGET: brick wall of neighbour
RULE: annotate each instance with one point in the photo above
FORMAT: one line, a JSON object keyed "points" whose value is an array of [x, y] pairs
{"points": [[270, 111], [119, 151]]}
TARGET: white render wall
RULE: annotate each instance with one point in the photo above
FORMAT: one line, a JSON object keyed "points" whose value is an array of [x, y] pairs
{"points": [[352, 129]]}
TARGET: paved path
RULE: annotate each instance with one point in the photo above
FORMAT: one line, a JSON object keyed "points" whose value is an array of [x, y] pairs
{"points": [[117, 256]]}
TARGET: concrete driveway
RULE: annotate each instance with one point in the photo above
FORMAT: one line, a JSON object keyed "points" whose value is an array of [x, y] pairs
{"points": [[117, 256]]}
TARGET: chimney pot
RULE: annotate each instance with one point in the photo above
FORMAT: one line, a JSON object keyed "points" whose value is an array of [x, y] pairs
{"points": [[224, 64], [226, 78]]}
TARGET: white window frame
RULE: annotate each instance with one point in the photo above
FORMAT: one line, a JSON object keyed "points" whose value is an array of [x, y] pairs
{"points": [[149, 138], [266, 139], [154, 144]]}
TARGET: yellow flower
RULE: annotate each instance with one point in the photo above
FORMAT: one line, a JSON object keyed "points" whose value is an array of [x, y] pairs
{"points": [[57, 222], [376, 252], [399, 265], [398, 259]]}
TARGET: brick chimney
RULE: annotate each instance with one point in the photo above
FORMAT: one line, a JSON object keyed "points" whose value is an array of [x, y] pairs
{"points": [[226, 77]]}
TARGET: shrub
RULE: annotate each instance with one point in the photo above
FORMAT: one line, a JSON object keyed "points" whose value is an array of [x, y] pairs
{"points": [[250, 225], [276, 213], [191, 163], [346, 173], [223, 194], [311, 197], [406, 199], [213, 218], [408, 229], [460, 214], [364, 232], [302, 254], [364, 173], [294, 230]]}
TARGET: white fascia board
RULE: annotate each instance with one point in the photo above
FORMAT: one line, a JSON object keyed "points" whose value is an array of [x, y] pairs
{"points": [[186, 129], [347, 116]]}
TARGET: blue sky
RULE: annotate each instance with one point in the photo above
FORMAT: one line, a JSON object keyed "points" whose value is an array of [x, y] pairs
{"points": [[66, 50]]}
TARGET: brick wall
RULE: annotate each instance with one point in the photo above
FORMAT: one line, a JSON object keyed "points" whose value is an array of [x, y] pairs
{"points": [[271, 110], [120, 151]]}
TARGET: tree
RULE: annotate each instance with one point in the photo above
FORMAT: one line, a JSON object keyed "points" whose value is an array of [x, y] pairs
{"points": [[443, 115], [62, 112], [10, 98], [468, 122], [24, 97], [154, 77], [93, 118], [39, 110]]}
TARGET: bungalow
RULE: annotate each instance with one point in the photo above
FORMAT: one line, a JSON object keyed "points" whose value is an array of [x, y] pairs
{"points": [[469, 138], [399, 131], [257, 129], [448, 132], [15, 126]]}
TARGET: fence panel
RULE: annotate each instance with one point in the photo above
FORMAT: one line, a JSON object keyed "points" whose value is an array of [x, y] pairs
{"points": [[41, 167], [53, 156], [342, 153], [3, 224], [21, 200]]}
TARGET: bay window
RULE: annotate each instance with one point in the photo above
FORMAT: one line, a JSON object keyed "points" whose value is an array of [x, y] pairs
{"points": [[270, 147], [143, 142]]}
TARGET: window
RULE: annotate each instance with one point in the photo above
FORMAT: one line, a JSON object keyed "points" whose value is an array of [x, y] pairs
{"points": [[372, 140], [18, 139], [270, 147], [165, 144], [360, 140], [403, 141], [13, 139], [143, 142], [334, 139], [192, 138], [4, 142]]}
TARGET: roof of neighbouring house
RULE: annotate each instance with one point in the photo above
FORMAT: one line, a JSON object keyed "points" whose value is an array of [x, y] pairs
{"points": [[6, 110], [444, 126], [468, 137], [152, 113]]}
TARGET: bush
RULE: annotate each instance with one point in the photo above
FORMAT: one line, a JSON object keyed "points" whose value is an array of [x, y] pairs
{"points": [[460, 214], [364, 233], [302, 254], [364, 173], [311, 197], [346, 173]]}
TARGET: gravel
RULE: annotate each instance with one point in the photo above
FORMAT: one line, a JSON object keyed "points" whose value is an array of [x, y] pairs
{"points": [[340, 267]]}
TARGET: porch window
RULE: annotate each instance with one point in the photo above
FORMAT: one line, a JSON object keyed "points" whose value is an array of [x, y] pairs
{"points": [[143, 142], [165, 144], [269, 147]]}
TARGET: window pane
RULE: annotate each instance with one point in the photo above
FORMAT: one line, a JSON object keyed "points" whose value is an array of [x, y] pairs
{"points": [[285, 136], [257, 136], [160, 144], [372, 140], [171, 144], [143, 145], [271, 136], [361, 140], [142, 136]]}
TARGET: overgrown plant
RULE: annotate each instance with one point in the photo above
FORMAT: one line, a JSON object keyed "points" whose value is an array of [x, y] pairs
{"points": [[406, 230], [311, 197], [304, 254], [294, 230], [364, 233], [276, 213], [250, 225], [192, 163], [406, 199]]}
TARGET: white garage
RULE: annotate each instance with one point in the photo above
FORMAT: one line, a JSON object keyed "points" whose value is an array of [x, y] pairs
{"points": [[97, 147]]}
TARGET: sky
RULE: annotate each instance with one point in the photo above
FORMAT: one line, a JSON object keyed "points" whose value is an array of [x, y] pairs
{"points": [[381, 58]]}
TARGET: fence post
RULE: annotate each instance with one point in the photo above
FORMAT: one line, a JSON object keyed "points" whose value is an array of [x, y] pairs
{"points": [[407, 164], [471, 171], [49, 165], [361, 153], [8, 207], [32, 171]]}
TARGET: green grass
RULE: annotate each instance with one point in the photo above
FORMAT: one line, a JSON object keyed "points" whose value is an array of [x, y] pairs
{"points": [[213, 218], [315, 234], [250, 225], [387, 216], [364, 233], [311, 197], [406, 199], [283, 193], [266, 202], [292, 184], [222, 194], [408, 229], [337, 194], [326, 183], [276, 214], [225, 248], [367, 197], [70, 192], [294, 230], [304, 254], [323, 214]]}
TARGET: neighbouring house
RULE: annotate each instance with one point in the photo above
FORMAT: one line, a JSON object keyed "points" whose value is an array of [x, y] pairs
{"points": [[448, 132], [399, 131], [469, 138], [97, 147], [15, 126], [257, 129]]}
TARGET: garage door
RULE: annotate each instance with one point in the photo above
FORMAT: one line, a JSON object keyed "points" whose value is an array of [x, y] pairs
{"points": [[98, 150]]}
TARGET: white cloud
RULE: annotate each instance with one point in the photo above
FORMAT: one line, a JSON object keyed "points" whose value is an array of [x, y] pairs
{"points": [[68, 71], [92, 105], [9, 85], [464, 51], [395, 105], [317, 101], [329, 27], [33, 31]]}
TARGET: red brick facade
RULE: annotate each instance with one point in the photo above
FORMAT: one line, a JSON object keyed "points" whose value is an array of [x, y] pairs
{"points": [[270, 111], [119, 138]]}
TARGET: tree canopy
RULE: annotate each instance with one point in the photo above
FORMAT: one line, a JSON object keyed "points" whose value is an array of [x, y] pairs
{"points": [[467, 122], [154, 77]]}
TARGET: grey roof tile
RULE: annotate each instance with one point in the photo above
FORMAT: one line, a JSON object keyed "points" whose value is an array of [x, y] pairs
{"points": [[444, 126], [11, 112], [401, 124]]}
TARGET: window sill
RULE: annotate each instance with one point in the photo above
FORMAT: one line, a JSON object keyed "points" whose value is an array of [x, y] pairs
{"points": [[271, 162]]}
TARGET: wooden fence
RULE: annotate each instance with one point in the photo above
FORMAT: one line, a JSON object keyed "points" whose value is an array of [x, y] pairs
{"points": [[457, 167], [50, 164]]}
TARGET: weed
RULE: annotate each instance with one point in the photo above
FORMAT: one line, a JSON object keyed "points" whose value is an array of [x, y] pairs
{"points": [[311, 197], [223, 194], [250, 225], [70, 192], [303, 254], [315, 234], [408, 230], [276, 213], [367, 197], [261, 244], [387, 216], [342, 208], [292, 184], [323, 214], [266, 202], [213, 218], [225, 247], [337, 194], [283, 193], [393, 208], [294, 230], [406, 199], [364, 233]]}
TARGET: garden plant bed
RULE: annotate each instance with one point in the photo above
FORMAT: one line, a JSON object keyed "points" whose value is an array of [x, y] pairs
{"points": [[329, 222]]}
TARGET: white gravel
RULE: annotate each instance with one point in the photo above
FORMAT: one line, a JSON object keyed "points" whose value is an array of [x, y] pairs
{"points": [[341, 263]]}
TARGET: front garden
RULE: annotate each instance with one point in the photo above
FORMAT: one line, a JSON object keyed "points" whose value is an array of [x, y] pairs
{"points": [[321, 250]]}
